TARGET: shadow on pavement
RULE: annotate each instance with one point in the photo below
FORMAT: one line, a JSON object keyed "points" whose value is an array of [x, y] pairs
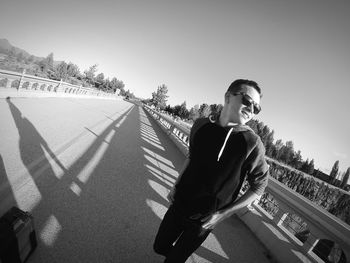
{"points": [[6, 194], [97, 211], [108, 204]]}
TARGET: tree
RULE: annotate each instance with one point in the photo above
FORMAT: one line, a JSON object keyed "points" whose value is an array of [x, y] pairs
{"points": [[277, 151], [30, 59], [73, 70], [215, 109], [169, 109], [176, 110], [46, 63], [61, 71], [181, 111], [287, 152], [269, 143], [334, 172], [266, 136], [297, 160], [129, 95], [12, 52], [100, 78], [311, 167], [254, 125], [159, 98], [305, 166], [90, 74], [194, 112], [184, 113], [49, 60], [20, 57], [116, 84], [204, 110], [112, 86], [259, 128], [264, 133], [345, 179]]}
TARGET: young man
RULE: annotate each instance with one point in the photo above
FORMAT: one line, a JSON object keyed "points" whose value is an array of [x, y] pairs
{"points": [[223, 153]]}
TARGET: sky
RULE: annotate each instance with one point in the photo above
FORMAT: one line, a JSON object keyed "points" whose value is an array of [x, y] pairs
{"points": [[298, 52]]}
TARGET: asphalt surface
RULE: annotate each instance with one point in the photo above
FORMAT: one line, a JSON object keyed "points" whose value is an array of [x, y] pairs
{"points": [[95, 175]]}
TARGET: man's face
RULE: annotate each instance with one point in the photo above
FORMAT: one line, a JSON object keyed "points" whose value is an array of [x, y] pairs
{"points": [[240, 113]]}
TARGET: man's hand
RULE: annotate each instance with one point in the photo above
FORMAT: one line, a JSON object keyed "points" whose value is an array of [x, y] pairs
{"points": [[215, 219], [171, 195]]}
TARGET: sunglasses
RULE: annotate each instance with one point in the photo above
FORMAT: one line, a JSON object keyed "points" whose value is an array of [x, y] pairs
{"points": [[248, 101]]}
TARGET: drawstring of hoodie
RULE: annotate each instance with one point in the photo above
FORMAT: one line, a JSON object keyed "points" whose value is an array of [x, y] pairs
{"points": [[213, 119], [223, 146]]}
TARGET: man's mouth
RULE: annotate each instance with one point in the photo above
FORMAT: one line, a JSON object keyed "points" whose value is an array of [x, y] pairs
{"points": [[245, 115]]}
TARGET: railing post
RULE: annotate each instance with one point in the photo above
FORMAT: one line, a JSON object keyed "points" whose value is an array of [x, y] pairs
{"points": [[279, 217], [309, 244], [59, 85], [20, 81], [171, 129], [8, 83]]}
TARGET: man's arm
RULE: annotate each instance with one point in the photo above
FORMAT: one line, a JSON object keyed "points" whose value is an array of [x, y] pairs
{"points": [[257, 171], [184, 166], [171, 194], [196, 125], [246, 199]]}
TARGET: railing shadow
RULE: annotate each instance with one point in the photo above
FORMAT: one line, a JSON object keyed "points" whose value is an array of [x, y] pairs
{"points": [[62, 216], [96, 211]]}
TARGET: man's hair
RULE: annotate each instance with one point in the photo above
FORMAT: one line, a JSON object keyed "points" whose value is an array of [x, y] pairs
{"points": [[236, 86]]}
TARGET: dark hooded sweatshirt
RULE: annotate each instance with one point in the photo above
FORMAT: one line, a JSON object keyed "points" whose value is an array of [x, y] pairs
{"points": [[220, 160]]}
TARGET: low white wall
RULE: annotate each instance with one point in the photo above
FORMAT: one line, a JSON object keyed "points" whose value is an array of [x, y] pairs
{"points": [[13, 93], [14, 84]]}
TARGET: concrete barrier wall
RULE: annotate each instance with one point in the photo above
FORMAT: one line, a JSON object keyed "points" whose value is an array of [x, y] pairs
{"points": [[14, 84], [283, 245]]}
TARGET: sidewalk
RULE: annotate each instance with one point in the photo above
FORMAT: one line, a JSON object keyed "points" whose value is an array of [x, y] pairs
{"points": [[231, 241]]}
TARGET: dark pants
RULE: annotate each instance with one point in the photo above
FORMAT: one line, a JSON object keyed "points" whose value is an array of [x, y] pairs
{"points": [[188, 234]]}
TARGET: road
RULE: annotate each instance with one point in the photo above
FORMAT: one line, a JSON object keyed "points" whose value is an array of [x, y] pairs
{"points": [[95, 175]]}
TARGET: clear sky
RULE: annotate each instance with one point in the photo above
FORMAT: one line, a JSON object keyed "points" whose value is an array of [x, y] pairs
{"points": [[298, 51]]}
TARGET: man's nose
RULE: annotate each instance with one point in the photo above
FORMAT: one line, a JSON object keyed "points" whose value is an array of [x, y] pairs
{"points": [[250, 108]]}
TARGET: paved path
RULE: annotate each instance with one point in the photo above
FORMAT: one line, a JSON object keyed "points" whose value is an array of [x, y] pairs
{"points": [[95, 173]]}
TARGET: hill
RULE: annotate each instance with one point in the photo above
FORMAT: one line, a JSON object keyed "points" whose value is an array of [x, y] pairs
{"points": [[17, 59], [7, 48]]}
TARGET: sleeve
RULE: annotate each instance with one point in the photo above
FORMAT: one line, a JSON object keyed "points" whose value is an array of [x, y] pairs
{"points": [[195, 127], [257, 169]]}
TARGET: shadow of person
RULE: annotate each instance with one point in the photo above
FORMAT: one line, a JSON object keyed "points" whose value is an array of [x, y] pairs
{"points": [[7, 198], [33, 147], [32, 144], [69, 225], [103, 218]]}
